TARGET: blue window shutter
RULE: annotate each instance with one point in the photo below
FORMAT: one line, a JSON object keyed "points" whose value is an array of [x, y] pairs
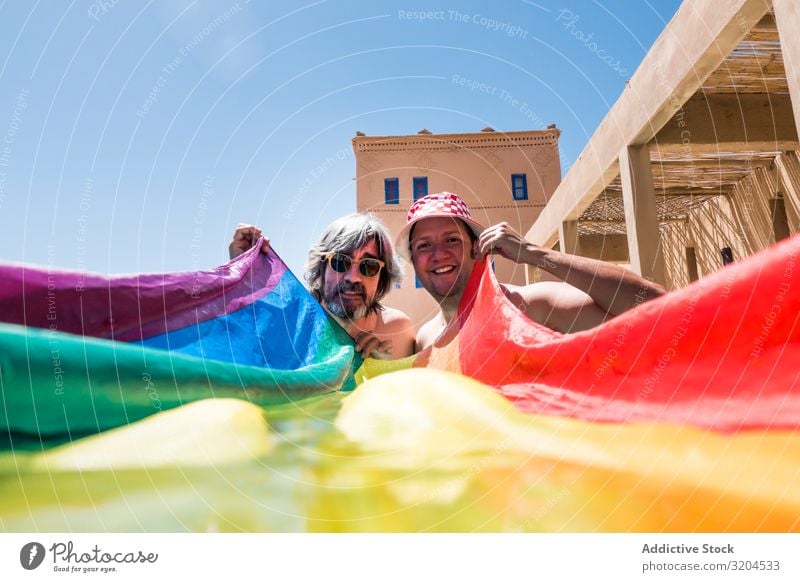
{"points": [[519, 186], [391, 189], [420, 187]]}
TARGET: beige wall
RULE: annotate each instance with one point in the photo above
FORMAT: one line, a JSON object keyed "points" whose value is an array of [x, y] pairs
{"points": [[675, 238], [750, 200], [477, 166], [709, 227], [713, 226]]}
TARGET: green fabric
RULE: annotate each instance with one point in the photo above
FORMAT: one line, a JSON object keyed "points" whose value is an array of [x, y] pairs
{"points": [[59, 386]]}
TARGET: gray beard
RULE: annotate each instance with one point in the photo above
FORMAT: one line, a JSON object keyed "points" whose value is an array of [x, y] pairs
{"points": [[339, 311], [334, 303]]}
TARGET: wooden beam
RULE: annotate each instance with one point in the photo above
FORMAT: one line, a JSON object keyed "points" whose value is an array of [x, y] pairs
{"points": [[568, 239], [711, 149], [621, 223], [695, 42], [707, 164], [728, 123], [680, 191], [787, 18], [641, 220], [766, 24]]}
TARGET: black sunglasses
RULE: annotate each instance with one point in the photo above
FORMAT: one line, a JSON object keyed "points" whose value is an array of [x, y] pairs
{"points": [[367, 267]]}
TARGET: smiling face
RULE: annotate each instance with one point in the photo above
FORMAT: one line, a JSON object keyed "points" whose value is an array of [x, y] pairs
{"points": [[350, 294], [443, 257]]}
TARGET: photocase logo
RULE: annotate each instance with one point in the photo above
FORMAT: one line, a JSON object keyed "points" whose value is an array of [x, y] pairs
{"points": [[31, 555]]}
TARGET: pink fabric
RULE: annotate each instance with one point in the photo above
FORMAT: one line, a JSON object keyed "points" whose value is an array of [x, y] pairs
{"points": [[130, 308]]}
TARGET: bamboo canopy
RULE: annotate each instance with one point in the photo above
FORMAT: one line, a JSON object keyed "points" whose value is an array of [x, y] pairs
{"points": [[687, 177]]}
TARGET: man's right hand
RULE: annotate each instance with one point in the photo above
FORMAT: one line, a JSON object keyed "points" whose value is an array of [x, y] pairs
{"points": [[244, 238]]}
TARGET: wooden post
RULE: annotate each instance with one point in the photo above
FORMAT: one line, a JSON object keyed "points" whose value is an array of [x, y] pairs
{"points": [[788, 165], [568, 240], [787, 18], [641, 221]]}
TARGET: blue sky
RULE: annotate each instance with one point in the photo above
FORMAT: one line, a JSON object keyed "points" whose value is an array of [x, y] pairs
{"points": [[134, 136]]}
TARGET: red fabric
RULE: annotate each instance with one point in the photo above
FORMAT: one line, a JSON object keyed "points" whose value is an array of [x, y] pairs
{"points": [[722, 353]]}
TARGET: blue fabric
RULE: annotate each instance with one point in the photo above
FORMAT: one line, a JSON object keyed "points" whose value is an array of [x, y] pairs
{"points": [[287, 322]]}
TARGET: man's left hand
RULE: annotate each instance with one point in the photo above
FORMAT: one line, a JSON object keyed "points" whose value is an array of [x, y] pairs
{"points": [[368, 345]]}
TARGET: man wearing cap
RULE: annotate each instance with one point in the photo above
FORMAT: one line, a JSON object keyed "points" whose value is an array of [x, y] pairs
{"points": [[349, 270], [443, 242]]}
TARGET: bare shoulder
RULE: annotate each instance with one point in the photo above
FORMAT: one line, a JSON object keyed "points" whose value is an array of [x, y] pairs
{"points": [[557, 305], [394, 322], [396, 326], [546, 293], [390, 314], [394, 319], [533, 300], [428, 333]]}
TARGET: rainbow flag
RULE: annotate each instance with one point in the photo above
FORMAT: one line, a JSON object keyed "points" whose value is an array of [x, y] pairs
{"points": [[681, 415], [85, 353], [721, 353]]}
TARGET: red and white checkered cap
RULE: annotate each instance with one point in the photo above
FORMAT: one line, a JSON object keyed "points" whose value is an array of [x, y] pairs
{"points": [[443, 204]]}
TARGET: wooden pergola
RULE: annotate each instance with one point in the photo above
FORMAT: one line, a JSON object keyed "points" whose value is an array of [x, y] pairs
{"points": [[707, 122]]}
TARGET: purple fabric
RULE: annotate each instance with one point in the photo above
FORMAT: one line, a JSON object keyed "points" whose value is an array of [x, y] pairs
{"points": [[130, 308]]}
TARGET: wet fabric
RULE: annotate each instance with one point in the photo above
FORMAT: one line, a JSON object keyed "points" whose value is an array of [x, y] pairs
{"points": [[412, 451], [681, 415], [721, 353], [84, 353]]}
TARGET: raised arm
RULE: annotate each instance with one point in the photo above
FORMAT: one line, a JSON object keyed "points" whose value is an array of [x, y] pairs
{"points": [[612, 288]]}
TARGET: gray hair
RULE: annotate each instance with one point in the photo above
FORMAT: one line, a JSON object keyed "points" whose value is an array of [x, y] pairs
{"points": [[346, 235]]}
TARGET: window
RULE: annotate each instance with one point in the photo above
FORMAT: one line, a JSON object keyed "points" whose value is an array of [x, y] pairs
{"points": [[417, 284], [420, 187], [391, 187], [519, 186], [780, 224], [727, 255], [691, 264]]}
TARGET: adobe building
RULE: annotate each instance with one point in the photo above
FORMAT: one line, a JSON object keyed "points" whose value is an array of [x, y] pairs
{"points": [[503, 176], [696, 164]]}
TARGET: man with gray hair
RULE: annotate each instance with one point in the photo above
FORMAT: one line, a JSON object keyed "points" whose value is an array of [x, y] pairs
{"points": [[349, 271]]}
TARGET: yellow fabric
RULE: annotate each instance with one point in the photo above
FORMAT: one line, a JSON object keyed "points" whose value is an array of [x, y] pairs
{"points": [[207, 432], [571, 475], [372, 368], [416, 450]]}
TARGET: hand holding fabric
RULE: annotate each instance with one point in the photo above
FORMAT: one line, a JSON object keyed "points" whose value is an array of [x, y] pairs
{"points": [[244, 238]]}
